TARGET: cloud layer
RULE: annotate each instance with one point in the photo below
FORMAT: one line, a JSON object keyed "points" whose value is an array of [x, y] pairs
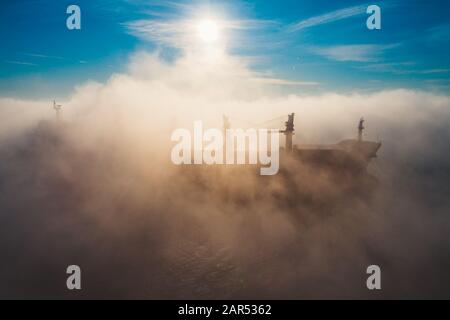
{"points": [[98, 190]]}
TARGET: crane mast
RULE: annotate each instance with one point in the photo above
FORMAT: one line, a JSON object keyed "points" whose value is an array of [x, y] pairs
{"points": [[57, 108], [361, 129], [289, 132]]}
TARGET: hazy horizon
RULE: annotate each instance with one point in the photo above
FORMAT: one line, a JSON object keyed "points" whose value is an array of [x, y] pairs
{"points": [[96, 187]]}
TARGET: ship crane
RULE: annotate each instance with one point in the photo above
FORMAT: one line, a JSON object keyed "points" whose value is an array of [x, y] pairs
{"points": [[57, 108], [361, 129], [226, 124], [289, 132]]}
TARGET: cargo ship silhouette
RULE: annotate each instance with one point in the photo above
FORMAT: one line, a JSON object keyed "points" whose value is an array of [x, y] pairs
{"points": [[347, 155]]}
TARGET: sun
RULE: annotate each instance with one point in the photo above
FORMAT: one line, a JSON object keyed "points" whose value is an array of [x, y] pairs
{"points": [[208, 31]]}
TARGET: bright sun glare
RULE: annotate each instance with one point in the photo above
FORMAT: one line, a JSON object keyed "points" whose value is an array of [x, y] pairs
{"points": [[208, 31]]}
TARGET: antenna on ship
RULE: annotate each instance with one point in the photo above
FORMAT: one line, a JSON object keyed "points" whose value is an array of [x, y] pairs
{"points": [[226, 126], [361, 129], [57, 108], [289, 132]]}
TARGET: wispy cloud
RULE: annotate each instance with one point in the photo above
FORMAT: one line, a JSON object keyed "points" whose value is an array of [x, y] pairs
{"points": [[43, 56], [440, 33], [328, 17], [284, 82], [50, 57], [161, 32], [401, 68], [23, 63], [434, 71], [181, 33], [357, 53], [391, 67]]}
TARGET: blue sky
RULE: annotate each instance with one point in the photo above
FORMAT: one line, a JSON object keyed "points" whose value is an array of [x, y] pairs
{"points": [[324, 44]]}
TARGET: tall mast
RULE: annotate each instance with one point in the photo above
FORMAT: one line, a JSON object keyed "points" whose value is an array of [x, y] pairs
{"points": [[360, 129], [289, 132], [57, 108], [226, 127], [226, 124]]}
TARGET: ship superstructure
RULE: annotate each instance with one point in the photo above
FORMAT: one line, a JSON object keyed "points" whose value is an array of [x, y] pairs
{"points": [[349, 155]]}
